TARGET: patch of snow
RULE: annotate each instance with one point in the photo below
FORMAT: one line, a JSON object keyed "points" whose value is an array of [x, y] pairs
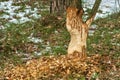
{"points": [[5, 16], [12, 14], [116, 44], [48, 48], [7, 7], [5, 4], [107, 7], [94, 26], [92, 29], [24, 19], [27, 11], [91, 32], [38, 53], [20, 14], [14, 21], [35, 15], [35, 40]]}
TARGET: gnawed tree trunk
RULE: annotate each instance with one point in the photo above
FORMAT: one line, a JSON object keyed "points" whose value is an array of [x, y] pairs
{"points": [[77, 28]]}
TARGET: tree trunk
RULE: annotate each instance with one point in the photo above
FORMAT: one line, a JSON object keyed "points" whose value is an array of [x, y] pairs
{"points": [[59, 6], [77, 28], [78, 31], [54, 6]]}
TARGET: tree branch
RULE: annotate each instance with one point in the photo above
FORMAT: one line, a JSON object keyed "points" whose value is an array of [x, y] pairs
{"points": [[93, 12]]}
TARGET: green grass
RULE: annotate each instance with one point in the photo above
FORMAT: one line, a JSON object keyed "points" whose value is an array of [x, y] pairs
{"points": [[17, 35], [106, 38], [14, 38], [14, 42]]}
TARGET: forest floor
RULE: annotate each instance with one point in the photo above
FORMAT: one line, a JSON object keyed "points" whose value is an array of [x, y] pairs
{"points": [[23, 59], [65, 67]]}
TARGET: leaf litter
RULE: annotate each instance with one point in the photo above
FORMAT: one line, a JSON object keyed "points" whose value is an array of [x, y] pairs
{"points": [[64, 67]]}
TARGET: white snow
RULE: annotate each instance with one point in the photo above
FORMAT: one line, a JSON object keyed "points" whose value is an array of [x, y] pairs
{"points": [[5, 16], [91, 32], [35, 40], [20, 14], [116, 44], [14, 21], [107, 7], [35, 15], [7, 7], [24, 19], [37, 53]]}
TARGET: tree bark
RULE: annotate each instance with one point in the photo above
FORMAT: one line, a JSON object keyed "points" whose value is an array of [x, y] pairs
{"points": [[59, 6], [77, 28], [78, 31], [93, 12], [55, 6]]}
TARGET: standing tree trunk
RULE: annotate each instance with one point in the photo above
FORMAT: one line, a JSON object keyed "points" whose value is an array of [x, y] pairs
{"points": [[59, 6], [77, 28]]}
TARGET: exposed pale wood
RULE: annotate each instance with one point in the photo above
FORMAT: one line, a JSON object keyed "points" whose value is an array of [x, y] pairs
{"points": [[78, 31], [77, 28]]}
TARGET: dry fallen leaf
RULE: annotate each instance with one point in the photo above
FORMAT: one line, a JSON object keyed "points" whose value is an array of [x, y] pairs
{"points": [[59, 67]]}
